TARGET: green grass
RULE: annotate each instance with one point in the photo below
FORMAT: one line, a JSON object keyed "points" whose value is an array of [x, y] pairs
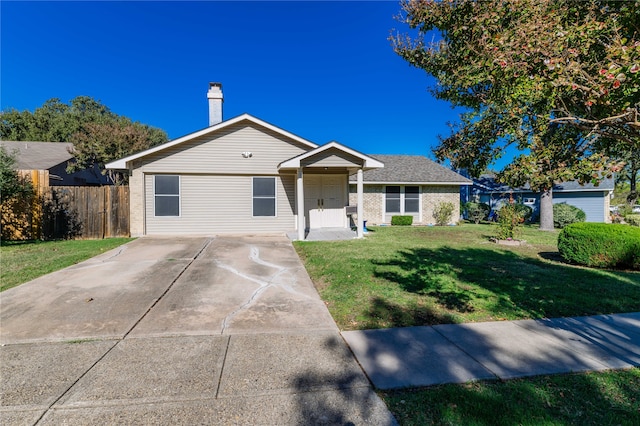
{"points": [[603, 398], [406, 276], [25, 260]]}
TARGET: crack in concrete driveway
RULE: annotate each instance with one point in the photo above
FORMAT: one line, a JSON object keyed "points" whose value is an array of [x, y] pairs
{"points": [[254, 256]]}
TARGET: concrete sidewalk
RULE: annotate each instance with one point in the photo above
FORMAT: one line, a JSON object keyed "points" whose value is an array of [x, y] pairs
{"points": [[424, 356]]}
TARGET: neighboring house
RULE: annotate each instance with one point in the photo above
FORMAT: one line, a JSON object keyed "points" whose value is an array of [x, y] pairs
{"points": [[593, 200], [46, 164], [408, 185], [245, 175]]}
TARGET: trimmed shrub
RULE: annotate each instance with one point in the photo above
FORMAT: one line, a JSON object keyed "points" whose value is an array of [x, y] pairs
{"points": [[509, 222], [601, 245], [632, 219], [477, 211], [442, 213], [565, 214], [402, 220]]}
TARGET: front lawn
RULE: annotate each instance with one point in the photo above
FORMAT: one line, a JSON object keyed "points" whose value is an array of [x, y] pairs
{"points": [[602, 398], [406, 276], [23, 261]]}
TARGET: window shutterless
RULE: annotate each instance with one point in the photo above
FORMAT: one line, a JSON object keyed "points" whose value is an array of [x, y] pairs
{"points": [[166, 195], [264, 196], [402, 199]]}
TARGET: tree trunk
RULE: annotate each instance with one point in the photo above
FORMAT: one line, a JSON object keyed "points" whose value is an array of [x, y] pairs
{"points": [[546, 210], [633, 179]]}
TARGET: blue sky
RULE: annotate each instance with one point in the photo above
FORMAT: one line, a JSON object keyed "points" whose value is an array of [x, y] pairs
{"points": [[322, 70]]}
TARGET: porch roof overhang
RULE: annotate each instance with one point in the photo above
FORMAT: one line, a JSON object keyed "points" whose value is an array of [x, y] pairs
{"points": [[319, 157]]}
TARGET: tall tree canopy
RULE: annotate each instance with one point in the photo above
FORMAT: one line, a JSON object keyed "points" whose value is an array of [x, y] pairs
{"points": [[558, 79], [98, 134]]}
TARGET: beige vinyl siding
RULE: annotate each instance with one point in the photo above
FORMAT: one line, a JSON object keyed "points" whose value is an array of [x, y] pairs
{"points": [[216, 183], [222, 153], [332, 158], [219, 204]]}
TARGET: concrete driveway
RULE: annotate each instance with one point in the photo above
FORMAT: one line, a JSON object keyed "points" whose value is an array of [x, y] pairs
{"points": [[222, 330]]}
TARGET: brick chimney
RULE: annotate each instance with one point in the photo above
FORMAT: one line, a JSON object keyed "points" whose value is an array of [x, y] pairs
{"points": [[215, 103]]}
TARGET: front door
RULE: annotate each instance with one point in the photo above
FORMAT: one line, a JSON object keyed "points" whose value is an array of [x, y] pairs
{"points": [[324, 201]]}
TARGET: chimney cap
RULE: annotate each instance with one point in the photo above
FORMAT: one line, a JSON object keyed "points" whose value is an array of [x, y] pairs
{"points": [[215, 91]]}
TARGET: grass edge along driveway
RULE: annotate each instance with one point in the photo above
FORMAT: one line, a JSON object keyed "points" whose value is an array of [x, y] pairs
{"points": [[24, 261]]}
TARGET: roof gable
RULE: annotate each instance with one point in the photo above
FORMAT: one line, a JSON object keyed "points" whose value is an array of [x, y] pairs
{"points": [[331, 149], [38, 155], [412, 169], [122, 163]]}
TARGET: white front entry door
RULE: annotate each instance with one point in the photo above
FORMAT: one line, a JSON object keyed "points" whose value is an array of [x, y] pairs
{"points": [[324, 201]]}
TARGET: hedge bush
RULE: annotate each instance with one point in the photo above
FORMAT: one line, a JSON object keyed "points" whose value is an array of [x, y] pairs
{"points": [[477, 211], [602, 245], [632, 219], [565, 214], [402, 220]]}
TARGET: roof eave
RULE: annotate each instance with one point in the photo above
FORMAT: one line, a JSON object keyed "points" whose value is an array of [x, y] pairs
{"points": [[370, 182]]}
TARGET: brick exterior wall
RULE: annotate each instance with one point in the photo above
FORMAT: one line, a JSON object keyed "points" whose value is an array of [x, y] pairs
{"points": [[136, 203], [431, 196], [373, 198]]}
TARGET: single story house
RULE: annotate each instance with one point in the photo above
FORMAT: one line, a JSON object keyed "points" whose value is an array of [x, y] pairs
{"points": [[46, 164], [244, 175], [593, 200]]}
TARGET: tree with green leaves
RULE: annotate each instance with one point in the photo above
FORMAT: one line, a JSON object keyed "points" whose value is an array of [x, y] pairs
{"points": [[99, 143], [11, 184], [98, 134], [530, 74], [54, 121]]}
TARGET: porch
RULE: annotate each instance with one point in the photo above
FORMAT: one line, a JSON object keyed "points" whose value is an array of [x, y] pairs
{"points": [[322, 191]]}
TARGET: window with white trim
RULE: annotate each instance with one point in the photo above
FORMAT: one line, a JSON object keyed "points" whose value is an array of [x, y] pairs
{"points": [[411, 199], [166, 192], [402, 199], [264, 196], [392, 201], [529, 201]]}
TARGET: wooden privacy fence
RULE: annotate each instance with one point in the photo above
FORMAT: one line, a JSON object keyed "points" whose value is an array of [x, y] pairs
{"points": [[56, 212]]}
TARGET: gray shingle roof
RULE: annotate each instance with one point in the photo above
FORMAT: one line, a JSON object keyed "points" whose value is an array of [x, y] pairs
{"points": [[487, 183], [411, 169], [38, 155]]}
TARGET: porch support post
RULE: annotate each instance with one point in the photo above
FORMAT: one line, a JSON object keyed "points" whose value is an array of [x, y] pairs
{"points": [[360, 207], [300, 204]]}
